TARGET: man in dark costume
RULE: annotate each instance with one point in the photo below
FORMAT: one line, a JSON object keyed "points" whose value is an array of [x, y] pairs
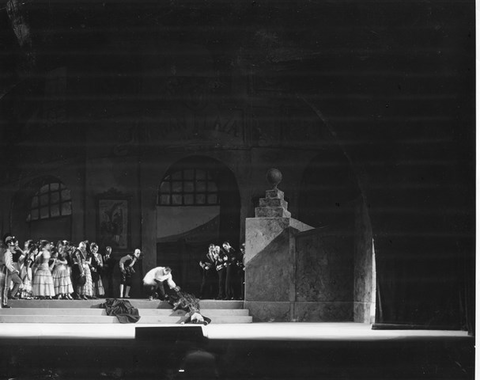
{"points": [[127, 270], [107, 274], [209, 274]]}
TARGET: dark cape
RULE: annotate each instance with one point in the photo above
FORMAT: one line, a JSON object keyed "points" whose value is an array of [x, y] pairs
{"points": [[122, 309]]}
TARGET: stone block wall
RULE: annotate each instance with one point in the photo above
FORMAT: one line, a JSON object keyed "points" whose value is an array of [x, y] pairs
{"points": [[270, 267], [324, 277], [300, 274]]}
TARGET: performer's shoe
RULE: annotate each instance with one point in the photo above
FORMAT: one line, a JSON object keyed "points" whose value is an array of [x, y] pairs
{"points": [[6, 307]]}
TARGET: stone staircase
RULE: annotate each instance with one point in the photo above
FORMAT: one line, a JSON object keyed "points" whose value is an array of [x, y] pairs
{"points": [[90, 312]]}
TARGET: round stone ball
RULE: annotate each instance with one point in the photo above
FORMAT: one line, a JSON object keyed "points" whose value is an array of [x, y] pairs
{"points": [[274, 177]]}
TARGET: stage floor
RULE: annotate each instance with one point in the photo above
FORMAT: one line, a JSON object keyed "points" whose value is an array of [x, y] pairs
{"points": [[251, 331]]}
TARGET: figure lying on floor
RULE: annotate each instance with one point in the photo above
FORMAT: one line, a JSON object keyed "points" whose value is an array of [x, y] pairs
{"points": [[189, 303]]}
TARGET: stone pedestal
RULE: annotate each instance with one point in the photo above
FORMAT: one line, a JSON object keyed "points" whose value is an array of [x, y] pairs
{"points": [[273, 205], [270, 263], [270, 259], [294, 272]]}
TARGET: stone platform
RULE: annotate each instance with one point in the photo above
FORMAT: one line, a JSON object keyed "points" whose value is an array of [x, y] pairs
{"points": [[90, 312]]}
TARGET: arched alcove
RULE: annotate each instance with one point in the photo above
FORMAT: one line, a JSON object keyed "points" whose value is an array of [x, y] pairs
{"points": [[331, 201], [198, 203]]}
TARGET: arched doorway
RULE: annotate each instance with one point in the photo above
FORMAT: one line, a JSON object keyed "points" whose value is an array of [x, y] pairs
{"points": [[198, 203]]}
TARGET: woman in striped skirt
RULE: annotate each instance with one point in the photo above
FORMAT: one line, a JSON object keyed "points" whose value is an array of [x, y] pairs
{"points": [[61, 274], [26, 274], [42, 280]]}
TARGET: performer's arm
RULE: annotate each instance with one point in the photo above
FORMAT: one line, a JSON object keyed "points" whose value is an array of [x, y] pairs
{"points": [[170, 282], [122, 262]]}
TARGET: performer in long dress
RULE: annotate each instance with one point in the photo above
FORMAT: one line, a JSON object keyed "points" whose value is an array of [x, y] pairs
{"points": [[42, 286], [61, 274], [26, 273]]}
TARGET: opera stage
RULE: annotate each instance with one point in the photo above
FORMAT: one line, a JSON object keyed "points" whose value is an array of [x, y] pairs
{"points": [[252, 331], [233, 351]]}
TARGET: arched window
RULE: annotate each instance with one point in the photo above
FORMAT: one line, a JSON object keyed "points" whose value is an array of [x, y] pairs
{"points": [[52, 200], [188, 187]]}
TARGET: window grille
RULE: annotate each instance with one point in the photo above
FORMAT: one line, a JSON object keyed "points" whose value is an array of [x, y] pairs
{"points": [[52, 200], [188, 187]]}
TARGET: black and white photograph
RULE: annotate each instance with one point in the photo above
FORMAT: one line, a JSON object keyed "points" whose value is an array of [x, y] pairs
{"points": [[238, 189]]}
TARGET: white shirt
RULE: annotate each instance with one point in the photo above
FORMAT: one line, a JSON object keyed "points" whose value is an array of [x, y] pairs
{"points": [[158, 274]]}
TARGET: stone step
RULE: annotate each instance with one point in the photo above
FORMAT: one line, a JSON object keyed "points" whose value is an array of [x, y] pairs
{"points": [[138, 303], [95, 311], [91, 312], [100, 319]]}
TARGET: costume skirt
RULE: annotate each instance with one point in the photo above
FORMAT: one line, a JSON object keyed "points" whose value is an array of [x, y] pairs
{"points": [[43, 282], [61, 280], [99, 289], [87, 289], [26, 287]]}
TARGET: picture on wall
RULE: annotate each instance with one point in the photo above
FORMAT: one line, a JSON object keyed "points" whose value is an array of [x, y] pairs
{"points": [[113, 223]]}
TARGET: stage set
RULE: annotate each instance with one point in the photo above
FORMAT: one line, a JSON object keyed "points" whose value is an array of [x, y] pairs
{"points": [[335, 139], [292, 323]]}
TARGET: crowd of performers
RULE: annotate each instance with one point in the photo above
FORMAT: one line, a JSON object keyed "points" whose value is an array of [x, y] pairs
{"points": [[44, 270], [223, 276], [223, 272]]}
